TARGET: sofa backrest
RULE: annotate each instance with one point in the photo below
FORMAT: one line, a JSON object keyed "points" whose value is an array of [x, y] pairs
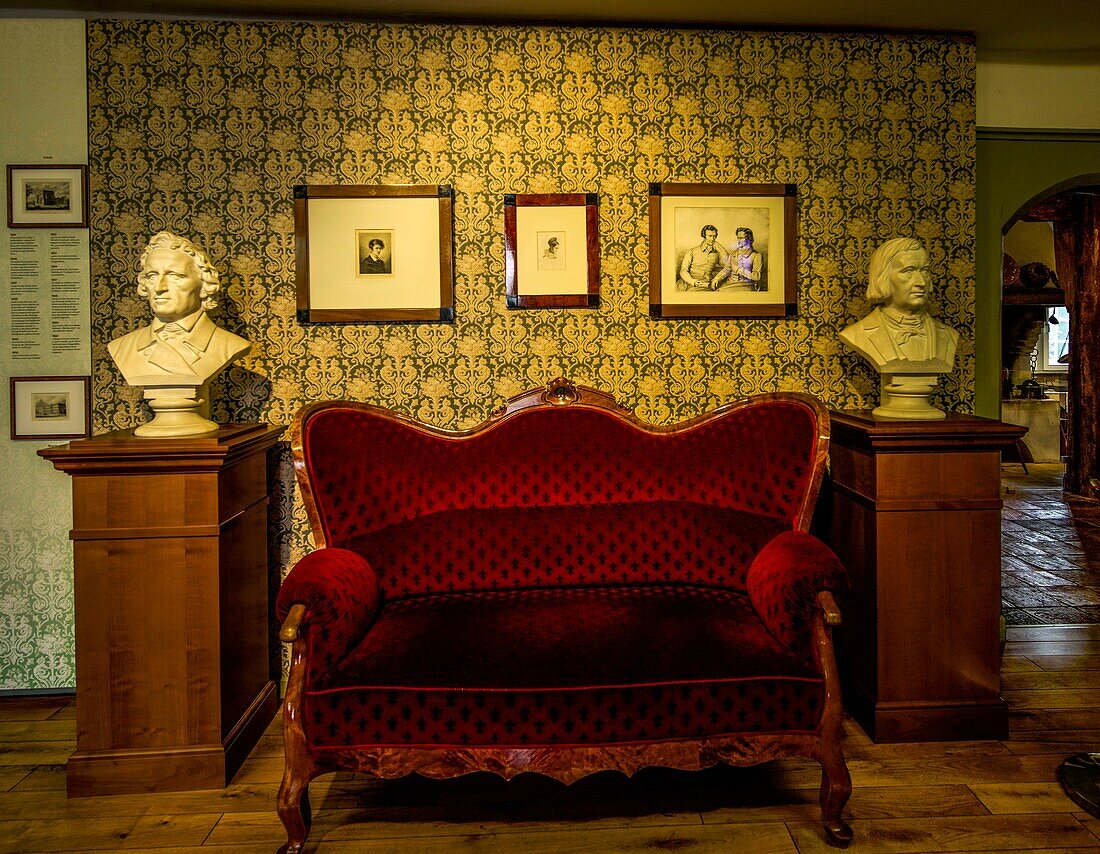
{"points": [[363, 469]]}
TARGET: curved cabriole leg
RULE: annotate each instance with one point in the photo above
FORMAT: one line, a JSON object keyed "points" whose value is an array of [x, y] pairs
{"points": [[293, 804], [294, 812], [836, 782], [836, 788]]}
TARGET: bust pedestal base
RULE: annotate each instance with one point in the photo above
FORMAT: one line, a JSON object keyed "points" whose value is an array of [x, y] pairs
{"points": [[170, 547], [916, 519], [177, 412], [906, 396]]}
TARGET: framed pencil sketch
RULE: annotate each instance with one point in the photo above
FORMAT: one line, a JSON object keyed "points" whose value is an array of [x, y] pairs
{"points": [[722, 250], [552, 250], [50, 196], [368, 253], [50, 407]]}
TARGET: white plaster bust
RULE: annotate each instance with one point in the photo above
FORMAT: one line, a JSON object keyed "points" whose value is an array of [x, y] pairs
{"points": [[900, 335], [908, 347], [181, 344], [176, 355]]}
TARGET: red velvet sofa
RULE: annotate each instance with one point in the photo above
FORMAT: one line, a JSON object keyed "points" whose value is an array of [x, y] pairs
{"points": [[563, 589]]}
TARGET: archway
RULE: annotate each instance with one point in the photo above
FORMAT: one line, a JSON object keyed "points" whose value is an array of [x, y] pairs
{"points": [[1015, 170], [1073, 209]]}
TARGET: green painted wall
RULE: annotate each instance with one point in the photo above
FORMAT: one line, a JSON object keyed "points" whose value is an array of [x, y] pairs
{"points": [[44, 119], [1015, 168]]}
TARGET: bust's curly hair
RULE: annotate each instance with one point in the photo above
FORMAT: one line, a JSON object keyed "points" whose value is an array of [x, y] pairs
{"points": [[211, 284]]}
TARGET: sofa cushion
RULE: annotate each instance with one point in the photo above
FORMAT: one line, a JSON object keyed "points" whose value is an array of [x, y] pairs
{"points": [[566, 666], [657, 542]]}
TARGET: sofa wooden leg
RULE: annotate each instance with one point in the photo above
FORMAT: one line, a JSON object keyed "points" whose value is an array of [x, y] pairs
{"points": [[293, 802], [836, 788], [294, 812]]}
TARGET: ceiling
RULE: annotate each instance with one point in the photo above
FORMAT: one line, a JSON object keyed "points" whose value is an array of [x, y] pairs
{"points": [[1047, 31]]}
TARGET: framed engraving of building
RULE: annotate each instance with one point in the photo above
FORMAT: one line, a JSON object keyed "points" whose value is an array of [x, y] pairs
{"points": [[722, 250], [47, 196], [50, 407]]}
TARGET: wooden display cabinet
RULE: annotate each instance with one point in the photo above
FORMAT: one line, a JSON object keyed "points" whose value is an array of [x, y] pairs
{"points": [[170, 546], [916, 519]]}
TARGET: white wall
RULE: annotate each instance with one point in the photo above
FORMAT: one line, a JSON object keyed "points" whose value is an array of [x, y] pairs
{"points": [[43, 119]]}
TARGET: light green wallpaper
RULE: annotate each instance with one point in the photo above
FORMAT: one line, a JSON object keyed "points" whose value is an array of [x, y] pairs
{"points": [[206, 127], [43, 120]]}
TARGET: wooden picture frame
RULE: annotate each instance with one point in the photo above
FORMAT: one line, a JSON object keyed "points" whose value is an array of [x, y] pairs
{"points": [[552, 250], [47, 196], [342, 275], [50, 407], [692, 274]]}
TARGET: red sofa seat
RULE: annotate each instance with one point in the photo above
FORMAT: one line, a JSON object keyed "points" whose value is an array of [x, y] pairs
{"points": [[563, 666], [563, 589]]}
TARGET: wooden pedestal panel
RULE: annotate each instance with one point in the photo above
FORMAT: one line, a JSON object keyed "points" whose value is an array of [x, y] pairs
{"points": [[916, 520], [171, 598]]}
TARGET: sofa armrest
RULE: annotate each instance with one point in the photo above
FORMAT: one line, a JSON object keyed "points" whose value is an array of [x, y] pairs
{"points": [[784, 582], [330, 597]]}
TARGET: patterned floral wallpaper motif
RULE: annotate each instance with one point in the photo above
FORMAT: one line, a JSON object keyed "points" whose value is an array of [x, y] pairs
{"points": [[205, 128]]}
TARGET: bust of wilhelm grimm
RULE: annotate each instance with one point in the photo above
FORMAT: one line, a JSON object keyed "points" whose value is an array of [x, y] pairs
{"points": [[182, 346], [899, 335]]}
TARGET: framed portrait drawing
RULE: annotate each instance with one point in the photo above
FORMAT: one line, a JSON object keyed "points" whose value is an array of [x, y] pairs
{"points": [[722, 250], [50, 407], [47, 196], [552, 250], [368, 253]]}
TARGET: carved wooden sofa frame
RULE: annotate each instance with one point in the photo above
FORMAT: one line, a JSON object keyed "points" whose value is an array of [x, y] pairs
{"points": [[566, 762]]}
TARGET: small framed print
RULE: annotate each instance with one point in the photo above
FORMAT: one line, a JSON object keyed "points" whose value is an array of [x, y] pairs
{"points": [[374, 253], [722, 250], [552, 250], [47, 196], [50, 407]]}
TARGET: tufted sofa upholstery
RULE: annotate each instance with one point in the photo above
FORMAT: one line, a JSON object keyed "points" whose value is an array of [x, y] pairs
{"points": [[563, 589]]}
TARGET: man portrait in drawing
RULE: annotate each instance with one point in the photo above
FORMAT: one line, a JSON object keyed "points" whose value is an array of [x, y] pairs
{"points": [[746, 264], [704, 266], [551, 250], [373, 263]]}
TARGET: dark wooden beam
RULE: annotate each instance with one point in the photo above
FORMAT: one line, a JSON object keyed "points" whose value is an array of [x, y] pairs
{"points": [[1083, 303], [1055, 208], [1065, 256]]}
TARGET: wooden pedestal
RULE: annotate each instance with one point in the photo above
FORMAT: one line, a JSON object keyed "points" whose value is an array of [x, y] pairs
{"points": [[173, 678], [916, 518]]}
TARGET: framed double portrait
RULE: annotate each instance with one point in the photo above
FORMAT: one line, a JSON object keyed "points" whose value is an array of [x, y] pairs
{"points": [[552, 250], [368, 253], [722, 250]]}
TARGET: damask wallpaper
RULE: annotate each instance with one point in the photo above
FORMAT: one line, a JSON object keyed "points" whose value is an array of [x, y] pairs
{"points": [[204, 128]]}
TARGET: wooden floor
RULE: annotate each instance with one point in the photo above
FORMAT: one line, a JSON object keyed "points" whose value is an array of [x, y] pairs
{"points": [[958, 796]]}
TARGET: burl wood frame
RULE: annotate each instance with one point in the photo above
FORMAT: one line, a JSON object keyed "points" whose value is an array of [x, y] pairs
{"points": [[566, 763], [589, 296]]}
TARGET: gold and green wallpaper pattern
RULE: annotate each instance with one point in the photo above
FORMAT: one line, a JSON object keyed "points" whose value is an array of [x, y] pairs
{"points": [[205, 128]]}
